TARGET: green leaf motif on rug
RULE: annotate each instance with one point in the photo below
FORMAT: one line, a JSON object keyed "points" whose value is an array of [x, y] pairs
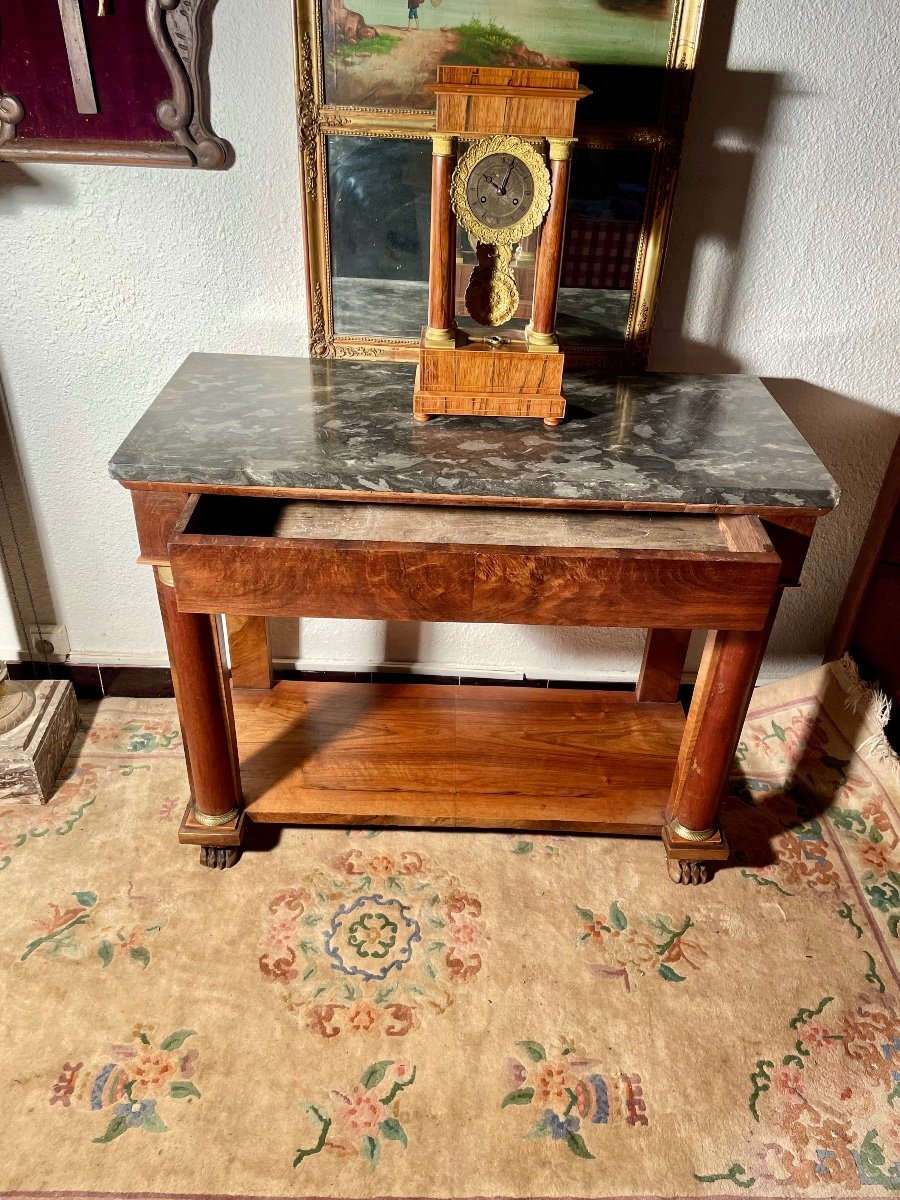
{"points": [[67, 928], [394, 1131], [534, 1050], [575, 1142], [367, 1114], [629, 949], [735, 1174], [39, 824], [130, 1082], [177, 1039], [824, 1117], [763, 882], [872, 1158], [845, 912], [373, 1075], [372, 943], [761, 1080], [872, 975], [114, 1129], [574, 1095]]}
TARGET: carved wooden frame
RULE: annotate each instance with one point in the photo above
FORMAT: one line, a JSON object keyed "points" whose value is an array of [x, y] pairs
{"points": [[316, 120], [178, 29]]}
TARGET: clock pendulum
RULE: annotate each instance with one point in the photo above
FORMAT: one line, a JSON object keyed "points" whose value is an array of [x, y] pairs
{"points": [[501, 192]]}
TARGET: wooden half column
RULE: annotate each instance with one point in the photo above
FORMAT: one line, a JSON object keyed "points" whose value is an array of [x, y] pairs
{"points": [[441, 331], [541, 331], [214, 817], [728, 670]]}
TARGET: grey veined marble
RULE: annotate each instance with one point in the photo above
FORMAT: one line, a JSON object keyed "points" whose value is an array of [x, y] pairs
{"points": [[233, 419]]}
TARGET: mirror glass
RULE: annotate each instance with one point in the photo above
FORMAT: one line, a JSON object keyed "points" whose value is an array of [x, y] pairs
{"points": [[379, 209], [379, 214], [607, 198]]}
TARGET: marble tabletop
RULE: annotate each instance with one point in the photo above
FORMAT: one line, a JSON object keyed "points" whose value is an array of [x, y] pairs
{"points": [[717, 441]]}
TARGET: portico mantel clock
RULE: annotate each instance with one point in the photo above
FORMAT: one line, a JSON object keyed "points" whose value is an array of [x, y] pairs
{"points": [[501, 191]]}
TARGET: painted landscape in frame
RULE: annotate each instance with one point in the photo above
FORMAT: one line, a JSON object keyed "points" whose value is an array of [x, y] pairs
{"points": [[375, 56]]}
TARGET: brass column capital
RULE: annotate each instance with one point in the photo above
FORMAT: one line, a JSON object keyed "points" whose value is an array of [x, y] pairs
{"points": [[443, 145], [561, 148]]}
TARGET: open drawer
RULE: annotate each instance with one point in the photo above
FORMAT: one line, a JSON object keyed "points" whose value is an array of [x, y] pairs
{"points": [[271, 558]]}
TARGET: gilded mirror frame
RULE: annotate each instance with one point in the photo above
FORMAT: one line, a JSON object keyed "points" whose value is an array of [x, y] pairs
{"points": [[317, 120]]}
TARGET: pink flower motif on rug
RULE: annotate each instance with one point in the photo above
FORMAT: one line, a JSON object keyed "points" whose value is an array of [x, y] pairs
{"points": [[571, 1095], [61, 934], [131, 1081], [361, 1119], [373, 944], [824, 1110], [624, 949]]}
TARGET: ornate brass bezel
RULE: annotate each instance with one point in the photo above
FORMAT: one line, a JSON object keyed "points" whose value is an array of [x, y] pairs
{"points": [[318, 120], [501, 143]]}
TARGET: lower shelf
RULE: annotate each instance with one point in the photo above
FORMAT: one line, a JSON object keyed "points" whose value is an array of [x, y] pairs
{"points": [[472, 757]]}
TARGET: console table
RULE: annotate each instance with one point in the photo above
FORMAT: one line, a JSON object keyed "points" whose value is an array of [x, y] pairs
{"points": [[276, 486]]}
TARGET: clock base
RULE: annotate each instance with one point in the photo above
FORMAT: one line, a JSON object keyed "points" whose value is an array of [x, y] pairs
{"points": [[551, 409], [484, 379]]}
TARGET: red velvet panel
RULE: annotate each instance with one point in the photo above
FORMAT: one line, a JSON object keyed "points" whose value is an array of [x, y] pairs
{"points": [[129, 77]]}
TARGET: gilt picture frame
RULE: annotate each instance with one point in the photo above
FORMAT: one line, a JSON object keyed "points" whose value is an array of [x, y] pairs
{"points": [[631, 135]]}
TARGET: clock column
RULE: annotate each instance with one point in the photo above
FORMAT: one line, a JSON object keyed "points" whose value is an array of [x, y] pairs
{"points": [[441, 331], [541, 331]]}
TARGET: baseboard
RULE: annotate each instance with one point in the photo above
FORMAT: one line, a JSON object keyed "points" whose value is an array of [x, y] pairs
{"points": [[94, 681]]}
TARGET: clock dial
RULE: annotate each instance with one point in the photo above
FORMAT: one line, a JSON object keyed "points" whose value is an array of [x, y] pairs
{"points": [[500, 190]]}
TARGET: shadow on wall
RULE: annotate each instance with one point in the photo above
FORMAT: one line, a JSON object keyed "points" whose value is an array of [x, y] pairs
{"points": [[854, 441], [728, 124], [21, 559], [728, 128], [19, 189]]}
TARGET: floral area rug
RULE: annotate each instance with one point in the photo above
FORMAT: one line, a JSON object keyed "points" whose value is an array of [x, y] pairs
{"points": [[429, 1014]]}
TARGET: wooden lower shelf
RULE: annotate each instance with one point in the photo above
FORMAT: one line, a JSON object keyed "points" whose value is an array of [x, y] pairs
{"points": [[472, 757]]}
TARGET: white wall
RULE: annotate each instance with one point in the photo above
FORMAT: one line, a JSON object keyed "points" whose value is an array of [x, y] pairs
{"points": [[783, 263]]}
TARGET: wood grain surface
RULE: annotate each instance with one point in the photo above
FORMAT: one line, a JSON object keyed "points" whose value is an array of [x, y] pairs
{"points": [[663, 664], [480, 757], [249, 652], [479, 367], [412, 575]]}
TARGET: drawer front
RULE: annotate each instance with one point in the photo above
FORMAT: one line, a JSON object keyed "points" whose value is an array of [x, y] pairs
{"points": [[725, 585]]}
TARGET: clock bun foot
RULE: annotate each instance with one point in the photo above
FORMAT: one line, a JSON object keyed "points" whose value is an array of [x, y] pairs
{"points": [[551, 421]]}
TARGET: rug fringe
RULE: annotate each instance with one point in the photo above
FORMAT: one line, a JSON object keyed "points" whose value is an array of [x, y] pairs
{"points": [[873, 706]]}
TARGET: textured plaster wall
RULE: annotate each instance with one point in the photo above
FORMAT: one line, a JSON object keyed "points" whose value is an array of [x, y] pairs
{"points": [[783, 263]]}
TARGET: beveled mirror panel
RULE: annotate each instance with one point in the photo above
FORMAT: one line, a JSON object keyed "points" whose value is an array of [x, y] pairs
{"points": [[365, 120], [379, 197]]}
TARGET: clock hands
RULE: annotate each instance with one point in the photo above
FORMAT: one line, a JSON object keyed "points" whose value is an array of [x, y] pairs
{"points": [[500, 188]]}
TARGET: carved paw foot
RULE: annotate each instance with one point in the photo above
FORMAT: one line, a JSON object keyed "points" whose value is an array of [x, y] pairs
{"points": [[681, 871], [219, 857]]}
